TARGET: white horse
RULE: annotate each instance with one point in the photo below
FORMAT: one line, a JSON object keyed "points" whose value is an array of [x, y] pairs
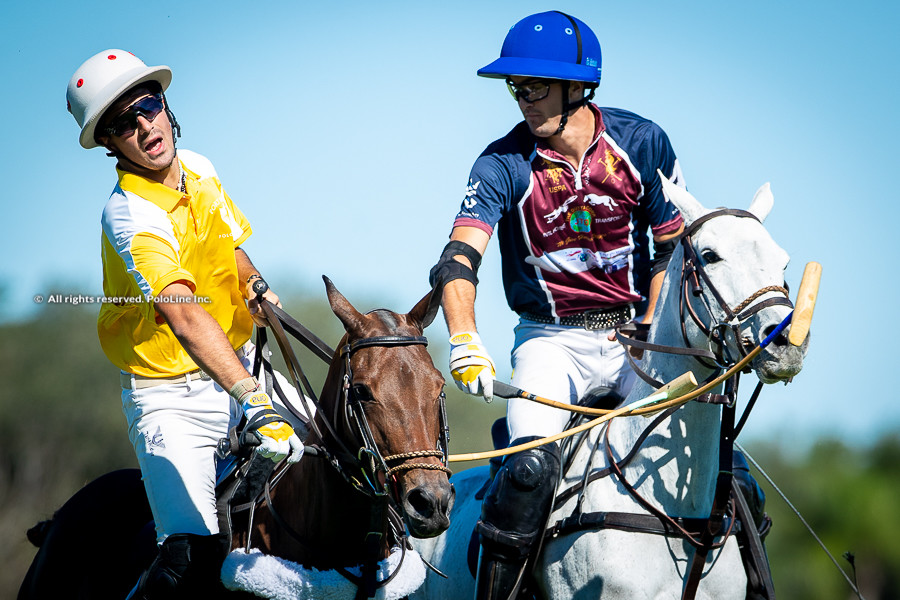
{"points": [[677, 465]]}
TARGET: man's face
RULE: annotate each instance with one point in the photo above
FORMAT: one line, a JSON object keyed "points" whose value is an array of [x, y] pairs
{"points": [[140, 136], [543, 116]]}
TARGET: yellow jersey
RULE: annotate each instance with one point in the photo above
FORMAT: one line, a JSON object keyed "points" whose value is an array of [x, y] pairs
{"points": [[154, 236]]}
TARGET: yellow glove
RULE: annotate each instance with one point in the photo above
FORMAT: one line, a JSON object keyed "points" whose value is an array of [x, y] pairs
{"points": [[276, 436], [471, 365]]}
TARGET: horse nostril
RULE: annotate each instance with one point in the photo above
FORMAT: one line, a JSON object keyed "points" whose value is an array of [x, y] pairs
{"points": [[780, 339], [422, 502]]}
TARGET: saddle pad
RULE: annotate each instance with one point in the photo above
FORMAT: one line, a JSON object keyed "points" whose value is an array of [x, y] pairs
{"points": [[279, 579]]}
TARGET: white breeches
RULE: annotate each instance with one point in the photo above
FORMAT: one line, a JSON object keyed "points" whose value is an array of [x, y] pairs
{"points": [[174, 429], [562, 364]]}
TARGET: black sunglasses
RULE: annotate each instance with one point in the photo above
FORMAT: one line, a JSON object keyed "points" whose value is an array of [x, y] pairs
{"points": [[530, 90], [125, 123]]}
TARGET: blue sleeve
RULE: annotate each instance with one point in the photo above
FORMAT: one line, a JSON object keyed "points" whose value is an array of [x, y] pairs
{"points": [[498, 179], [661, 214]]}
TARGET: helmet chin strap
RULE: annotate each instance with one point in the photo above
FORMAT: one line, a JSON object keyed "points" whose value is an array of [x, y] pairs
{"points": [[570, 106]]}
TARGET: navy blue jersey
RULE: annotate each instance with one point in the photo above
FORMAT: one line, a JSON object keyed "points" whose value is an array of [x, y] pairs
{"points": [[575, 238]]}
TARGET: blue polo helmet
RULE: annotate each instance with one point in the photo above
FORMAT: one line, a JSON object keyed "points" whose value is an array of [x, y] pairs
{"points": [[549, 45]]}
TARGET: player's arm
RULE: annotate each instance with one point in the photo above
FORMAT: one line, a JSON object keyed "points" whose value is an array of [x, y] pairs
{"points": [[206, 343], [200, 335], [664, 246], [459, 293], [470, 364]]}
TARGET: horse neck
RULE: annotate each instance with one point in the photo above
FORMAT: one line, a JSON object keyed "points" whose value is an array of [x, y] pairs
{"points": [[330, 515], [680, 460]]}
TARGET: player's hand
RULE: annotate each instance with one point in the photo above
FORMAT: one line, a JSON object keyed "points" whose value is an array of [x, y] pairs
{"points": [[259, 318], [471, 365], [277, 438]]}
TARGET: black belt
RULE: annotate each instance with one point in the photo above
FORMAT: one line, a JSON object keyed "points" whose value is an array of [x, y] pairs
{"points": [[600, 318]]}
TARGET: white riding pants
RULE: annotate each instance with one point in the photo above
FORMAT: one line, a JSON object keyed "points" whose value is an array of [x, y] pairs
{"points": [[174, 429], [563, 364]]}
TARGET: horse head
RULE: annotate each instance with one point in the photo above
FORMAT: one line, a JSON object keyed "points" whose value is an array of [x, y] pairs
{"points": [[394, 411], [738, 282]]}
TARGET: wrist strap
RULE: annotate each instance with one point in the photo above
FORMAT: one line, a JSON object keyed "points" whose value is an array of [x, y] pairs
{"points": [[244, 387]]}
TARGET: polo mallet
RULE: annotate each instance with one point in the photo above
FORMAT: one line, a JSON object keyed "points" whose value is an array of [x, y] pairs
{"points": [[806, 303]]}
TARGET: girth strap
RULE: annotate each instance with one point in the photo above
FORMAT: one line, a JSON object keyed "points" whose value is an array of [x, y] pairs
{"points": [[639, 523]]}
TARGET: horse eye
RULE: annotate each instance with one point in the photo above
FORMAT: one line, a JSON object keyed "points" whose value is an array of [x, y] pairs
{"points": [[362, 393], [710, 257]]}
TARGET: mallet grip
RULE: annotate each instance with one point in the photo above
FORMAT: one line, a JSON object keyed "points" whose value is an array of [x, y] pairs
{"points": [[806, 303]]}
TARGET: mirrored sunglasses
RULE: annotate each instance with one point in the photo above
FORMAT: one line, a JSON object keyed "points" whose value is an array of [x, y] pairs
{"points": [[126, 123], [530, 90]]}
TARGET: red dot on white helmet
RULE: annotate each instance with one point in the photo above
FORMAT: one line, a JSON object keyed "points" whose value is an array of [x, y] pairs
{"points": [[111, 57], [80, 83]]}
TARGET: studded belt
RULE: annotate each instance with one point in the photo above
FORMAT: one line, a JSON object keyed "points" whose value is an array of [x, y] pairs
{"points": [[600, 318]]}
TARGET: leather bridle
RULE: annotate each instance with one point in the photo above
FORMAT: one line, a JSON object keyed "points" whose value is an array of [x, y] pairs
{"points": [[694, 279], [369, 458]]}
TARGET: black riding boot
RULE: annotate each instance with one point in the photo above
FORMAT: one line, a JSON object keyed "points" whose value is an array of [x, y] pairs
{"points": [[187, 566], [512, 519]]}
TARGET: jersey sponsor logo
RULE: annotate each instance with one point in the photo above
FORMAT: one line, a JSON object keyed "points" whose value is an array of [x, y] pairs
{"points": [[580, 219], [471, 190], [552, 171], [580, 260]]}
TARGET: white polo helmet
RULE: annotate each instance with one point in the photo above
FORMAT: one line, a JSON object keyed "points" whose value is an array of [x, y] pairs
{"points": [[101, 80]]}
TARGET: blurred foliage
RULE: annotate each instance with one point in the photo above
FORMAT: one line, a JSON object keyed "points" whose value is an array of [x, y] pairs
{"points": [[61, 426]]}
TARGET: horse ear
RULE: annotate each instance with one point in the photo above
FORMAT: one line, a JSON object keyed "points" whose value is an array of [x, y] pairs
{"points": [[686, 204], [763, 201], [426, 309], [349, 316]]}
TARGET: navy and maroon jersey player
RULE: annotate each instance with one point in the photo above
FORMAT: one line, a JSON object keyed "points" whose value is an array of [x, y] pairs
{"points": [[575, 237], [584, 232]]}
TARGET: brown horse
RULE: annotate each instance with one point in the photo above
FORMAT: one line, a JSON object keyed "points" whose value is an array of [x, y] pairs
{"points": [[375, 462]]}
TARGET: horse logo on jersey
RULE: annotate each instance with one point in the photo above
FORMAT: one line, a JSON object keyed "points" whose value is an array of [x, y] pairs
{"points": [[609, 162], [607, 201]]}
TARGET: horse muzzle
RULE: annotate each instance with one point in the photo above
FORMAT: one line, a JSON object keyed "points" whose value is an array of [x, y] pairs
{"points": [[427, 507], [780, 360]]}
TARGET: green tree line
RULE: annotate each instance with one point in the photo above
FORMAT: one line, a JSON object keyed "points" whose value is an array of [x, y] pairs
{"points": [[61, 425]]}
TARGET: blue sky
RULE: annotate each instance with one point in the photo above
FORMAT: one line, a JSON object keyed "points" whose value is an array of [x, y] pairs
{"points": [[346, 132]]}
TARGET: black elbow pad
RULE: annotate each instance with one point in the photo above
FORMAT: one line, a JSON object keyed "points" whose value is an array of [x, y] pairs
{"points": [[662, 252], [448, 268]]}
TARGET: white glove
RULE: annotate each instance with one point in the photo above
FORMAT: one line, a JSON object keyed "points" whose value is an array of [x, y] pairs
{"points": [[471, 365], [277, 438]]}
